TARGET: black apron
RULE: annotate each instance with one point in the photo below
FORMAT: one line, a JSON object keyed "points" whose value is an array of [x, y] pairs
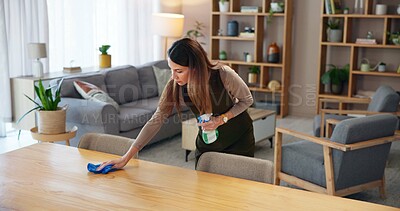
{"points": [[236, 136]]}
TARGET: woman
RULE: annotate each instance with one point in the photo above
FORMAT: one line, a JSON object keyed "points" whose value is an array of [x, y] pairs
{"points": [[205, 88]]}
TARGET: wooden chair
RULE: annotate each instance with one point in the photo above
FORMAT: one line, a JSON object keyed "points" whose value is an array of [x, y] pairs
{"points": [[351, 161], [111, 144], [236, 166], [385, 100]]}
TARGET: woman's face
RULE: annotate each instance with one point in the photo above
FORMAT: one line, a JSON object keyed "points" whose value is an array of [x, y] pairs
{"points": [[180, 74]]}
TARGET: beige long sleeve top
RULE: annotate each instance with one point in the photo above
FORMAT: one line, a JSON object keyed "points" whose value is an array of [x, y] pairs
{"points": [[233, 83]]}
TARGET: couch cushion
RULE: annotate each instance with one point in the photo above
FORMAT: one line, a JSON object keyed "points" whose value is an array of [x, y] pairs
{"points": [[162, 78], [147, 78], [67, 87], [123, 84], [131, 117], [94, 93]]}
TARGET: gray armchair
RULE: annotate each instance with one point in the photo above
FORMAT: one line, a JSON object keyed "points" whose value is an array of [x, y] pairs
{"points": [[236, 166], [351, 161], [384, 100]]}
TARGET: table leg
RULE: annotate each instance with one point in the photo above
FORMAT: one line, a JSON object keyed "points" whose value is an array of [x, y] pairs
{"points": [[67, 142], [270, 140], [187, 154]]}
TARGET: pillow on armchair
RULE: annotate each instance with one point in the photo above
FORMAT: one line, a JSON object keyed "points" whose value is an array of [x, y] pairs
{"points": [[92, 92]]}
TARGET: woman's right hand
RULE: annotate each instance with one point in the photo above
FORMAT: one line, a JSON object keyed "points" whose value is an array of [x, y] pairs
{"points": [[117, 163]]}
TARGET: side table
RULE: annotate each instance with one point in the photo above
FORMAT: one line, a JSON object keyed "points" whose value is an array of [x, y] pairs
{"points": [[56, 137]]}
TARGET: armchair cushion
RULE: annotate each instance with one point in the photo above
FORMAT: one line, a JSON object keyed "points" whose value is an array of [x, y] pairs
{"points": [[317, 121], [305, 160], [385, 99]]}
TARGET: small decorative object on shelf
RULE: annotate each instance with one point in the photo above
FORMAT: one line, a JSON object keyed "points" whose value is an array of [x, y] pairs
{"points": [[380, 9], [394, 37], [233, 28], [253, 73], [366, 41], [370, 35], [359, 6], [398, 9], [223, 5], [71, 68], [273, 53], [365, 67], [398, 69], [334, 32], [250, 9], [381, 67], [220, 32], [104, 58], [222, 55], [346, 10]]}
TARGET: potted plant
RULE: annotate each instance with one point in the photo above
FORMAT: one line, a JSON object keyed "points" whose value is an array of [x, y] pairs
{"points": [[223, 5], [334, 32], [335, 77], [196, 32], [253, 73], [104, 58], [51, 118], [275, 7], [394, 37]]}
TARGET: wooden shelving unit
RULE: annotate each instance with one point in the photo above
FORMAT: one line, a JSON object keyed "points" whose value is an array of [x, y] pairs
{"points": [[278, 31], [355, 26]]}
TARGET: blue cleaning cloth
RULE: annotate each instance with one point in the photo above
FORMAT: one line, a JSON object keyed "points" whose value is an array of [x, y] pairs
{"points": [[92, 168]]}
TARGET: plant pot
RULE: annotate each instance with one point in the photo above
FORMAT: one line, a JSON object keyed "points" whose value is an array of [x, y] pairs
{"points": [[104, 60], [335, 35], [337, 88], [224, 7], [252, 78], [277, 7], [52, 122]]}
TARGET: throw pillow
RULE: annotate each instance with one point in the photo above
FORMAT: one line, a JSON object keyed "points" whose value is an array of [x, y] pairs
{"points": [[162, 78], [93, 93]]}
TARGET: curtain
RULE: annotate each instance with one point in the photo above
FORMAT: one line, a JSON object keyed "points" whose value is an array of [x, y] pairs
{"points": [[78, 28], [21, 22]]}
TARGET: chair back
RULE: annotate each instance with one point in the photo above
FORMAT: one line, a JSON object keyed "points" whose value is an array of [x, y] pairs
{"points": [[363, 165], [111, 144], [385, 99], [236, 166]]}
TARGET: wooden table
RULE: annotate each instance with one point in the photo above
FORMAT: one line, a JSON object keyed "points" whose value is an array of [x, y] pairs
{"points": [[264, 122], [54, 177]]}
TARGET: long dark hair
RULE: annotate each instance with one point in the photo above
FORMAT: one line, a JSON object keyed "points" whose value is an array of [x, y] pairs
{"points": [[189, 53]]}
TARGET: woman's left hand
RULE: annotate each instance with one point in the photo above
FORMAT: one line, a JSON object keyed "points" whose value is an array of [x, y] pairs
{"points": [[213, 124]]}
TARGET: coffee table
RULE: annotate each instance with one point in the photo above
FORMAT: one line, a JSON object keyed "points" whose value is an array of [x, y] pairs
{"points": [[264, 122]]}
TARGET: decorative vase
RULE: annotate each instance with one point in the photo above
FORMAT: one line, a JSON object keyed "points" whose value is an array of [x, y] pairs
{"points": [[398, 9], [335, 35], [222, 55], [223, 6], [336, 88], [273, 53], [104, 60], [233, 28], [252, 78], [52, 122]]}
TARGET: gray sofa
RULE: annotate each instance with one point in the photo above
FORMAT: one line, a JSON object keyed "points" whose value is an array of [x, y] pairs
{"points": [[133, 88]]}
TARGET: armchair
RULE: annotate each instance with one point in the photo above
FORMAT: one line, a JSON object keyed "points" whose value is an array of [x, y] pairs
{"points": [[384, 100], [351, 161]]}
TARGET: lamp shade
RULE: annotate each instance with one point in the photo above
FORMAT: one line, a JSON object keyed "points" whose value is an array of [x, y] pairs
{"points": [[37, 50], [167, 24]]}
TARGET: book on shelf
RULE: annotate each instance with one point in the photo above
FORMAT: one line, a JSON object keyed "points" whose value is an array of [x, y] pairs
{"points": [[246, 34], [72, 69], [366, 41], [328, 7], [336, 6], [250, 9]]}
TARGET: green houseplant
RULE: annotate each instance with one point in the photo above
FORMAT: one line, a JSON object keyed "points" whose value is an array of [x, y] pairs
{"points": [[335, 77], [253, 73], [334, 32], [104, 57], [51, 118], [196, 32]]}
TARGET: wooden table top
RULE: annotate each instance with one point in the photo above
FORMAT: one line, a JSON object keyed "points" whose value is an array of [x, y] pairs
{"points": [[52, 177], [257, 114]]}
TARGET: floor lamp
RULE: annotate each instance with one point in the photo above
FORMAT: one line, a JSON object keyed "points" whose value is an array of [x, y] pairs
{"points": [[167, 25]]}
